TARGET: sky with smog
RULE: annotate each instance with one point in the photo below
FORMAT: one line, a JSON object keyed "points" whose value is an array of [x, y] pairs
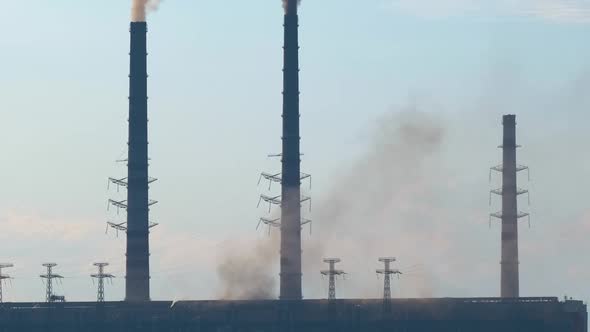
{"points": [[401, 109]]}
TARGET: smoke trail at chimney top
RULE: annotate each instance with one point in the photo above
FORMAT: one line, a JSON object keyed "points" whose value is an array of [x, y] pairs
{"points": [[140, 8], [287, 2]]}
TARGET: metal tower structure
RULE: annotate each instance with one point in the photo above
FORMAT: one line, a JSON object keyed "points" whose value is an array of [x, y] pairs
{"points": [[3, 277], [49, 276], [100, 277], [332, 273], [387, 272], [276, 200], [137, 182], [509, 215], [270, 223]]}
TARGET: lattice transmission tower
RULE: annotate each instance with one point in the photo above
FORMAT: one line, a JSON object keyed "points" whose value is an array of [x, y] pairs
{"points": [[49, 277], [3, 278], [101, 276], [387, 272], [332, 273]]}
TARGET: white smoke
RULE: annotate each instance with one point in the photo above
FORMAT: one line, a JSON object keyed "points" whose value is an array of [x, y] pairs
{"points": [[140, 8]]}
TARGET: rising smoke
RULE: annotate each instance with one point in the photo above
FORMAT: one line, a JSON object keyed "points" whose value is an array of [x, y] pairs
{"points": [[381, 204], [393, 165], [287, 2], [378, 207], [249, 274], [140, 8]]}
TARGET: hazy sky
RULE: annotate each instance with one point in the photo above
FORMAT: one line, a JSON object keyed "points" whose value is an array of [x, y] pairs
{"points": [[447, 68]]}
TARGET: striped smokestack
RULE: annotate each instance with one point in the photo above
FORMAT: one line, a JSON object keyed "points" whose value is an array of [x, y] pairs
{"points": [[290, 276], [509, 264], [137, 279]]}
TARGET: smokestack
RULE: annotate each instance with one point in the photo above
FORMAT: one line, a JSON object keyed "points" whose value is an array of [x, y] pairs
{"points": [[510, 215], [137, 280], [290, 276]]}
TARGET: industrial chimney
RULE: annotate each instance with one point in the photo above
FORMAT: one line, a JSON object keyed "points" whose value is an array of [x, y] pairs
{"points": [[290, 277], [137, 279], [509, 274], [509, 215]]}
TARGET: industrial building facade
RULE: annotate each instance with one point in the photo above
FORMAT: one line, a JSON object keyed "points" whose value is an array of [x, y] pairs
{"points": [[403, 315]]}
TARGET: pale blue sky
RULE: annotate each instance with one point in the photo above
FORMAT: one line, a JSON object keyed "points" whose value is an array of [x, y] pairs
{"points": [[215, 97]]}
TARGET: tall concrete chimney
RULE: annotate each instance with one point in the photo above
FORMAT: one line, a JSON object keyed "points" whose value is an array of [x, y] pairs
{"points": [[137, 279], [291, 175], [510, 214]]}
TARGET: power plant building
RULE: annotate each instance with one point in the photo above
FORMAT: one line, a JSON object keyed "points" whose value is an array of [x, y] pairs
{"points": [[403, 315]]}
